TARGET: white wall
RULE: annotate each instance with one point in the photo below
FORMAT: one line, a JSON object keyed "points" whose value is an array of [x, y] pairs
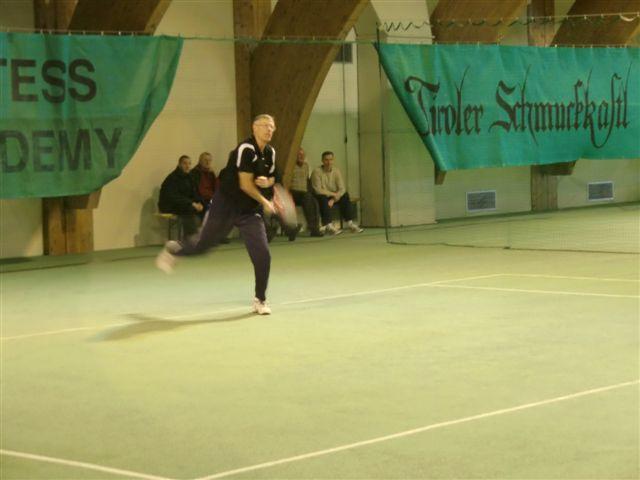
{"points": [[625, 175], [334, 118], [512, 186], [409, 168]]}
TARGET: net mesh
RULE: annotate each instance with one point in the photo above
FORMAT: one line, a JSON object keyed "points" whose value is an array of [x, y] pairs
{"points": [[605, 228]]}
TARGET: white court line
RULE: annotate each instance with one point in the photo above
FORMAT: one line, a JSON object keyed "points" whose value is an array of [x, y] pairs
{"points": [[385, 290], [600, 279], [66, 330], [318, 453], [415, 431], [111, 325], [245, 308], [439, 283], [73, 463], [546, 292]]}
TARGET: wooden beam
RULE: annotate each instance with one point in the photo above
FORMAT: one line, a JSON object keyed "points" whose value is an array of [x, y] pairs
{"points": [[540, 34], [250, 18], [80, 202], [79, 230], [564, 168], [468, 14], [286, 77], [595, 30], [142, 16], [54, 15], [53, 226], [66, 230]]}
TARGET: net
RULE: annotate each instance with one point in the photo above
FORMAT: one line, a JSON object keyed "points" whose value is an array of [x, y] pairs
{"points": [[605, 228]]}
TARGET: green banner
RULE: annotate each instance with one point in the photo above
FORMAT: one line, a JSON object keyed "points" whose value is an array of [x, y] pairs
{"points": [[74, 108], [494, 106]]}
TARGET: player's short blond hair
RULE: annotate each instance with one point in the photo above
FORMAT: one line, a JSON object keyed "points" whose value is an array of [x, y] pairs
{"points": [[263, 116]]}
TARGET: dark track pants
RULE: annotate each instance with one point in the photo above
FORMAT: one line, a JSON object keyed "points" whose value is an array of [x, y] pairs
{"points": [[346, 211], [222, 216], [309, 207]]}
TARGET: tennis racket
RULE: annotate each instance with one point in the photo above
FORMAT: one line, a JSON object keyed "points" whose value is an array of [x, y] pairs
{"points": [[285, 206]]}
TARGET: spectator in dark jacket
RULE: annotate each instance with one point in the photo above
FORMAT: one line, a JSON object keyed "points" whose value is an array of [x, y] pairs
{"points": [[179, 195]]}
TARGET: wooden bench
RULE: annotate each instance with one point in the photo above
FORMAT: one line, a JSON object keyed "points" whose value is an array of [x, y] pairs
{"points": [[173, 224]]}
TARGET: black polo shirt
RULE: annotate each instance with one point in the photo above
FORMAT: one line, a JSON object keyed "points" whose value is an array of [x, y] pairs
{"points": [[247, 157]]}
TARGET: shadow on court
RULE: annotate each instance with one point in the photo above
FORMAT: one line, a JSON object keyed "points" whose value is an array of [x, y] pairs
{"points": [[147, 325]]}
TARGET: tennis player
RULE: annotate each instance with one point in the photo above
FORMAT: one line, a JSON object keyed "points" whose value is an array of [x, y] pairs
{"points": [[246, 185]]}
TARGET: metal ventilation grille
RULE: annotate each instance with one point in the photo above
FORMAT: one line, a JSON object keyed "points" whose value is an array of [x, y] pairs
{"points": [[600, 191], [481, 201]]}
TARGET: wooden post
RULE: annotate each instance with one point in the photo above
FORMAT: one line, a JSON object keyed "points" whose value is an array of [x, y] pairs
{"points": [[250, 18], [544, 186], [53, 226], [57, 229]]}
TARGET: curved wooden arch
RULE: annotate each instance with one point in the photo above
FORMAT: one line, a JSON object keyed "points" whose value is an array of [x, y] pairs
{"points": [[609, 30], [468, 12], [286, 77], [141, 16]]}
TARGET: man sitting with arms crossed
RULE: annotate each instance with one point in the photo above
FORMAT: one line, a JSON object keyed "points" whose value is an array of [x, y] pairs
{"points": [[330, 190]]}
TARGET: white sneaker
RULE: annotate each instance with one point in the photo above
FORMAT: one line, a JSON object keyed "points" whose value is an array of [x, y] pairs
{"points": [[260, 307], [165, 261], [172, 247], [354, 228], [329, 228]]}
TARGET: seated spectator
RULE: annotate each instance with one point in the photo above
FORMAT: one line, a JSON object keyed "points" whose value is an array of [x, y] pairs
{"points": [[330, 190], [206, 183], [204, 179], [301, 193], [178, 195]]}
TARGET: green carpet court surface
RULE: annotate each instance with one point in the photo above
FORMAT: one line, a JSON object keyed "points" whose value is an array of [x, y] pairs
{"points": [[379, 361]]}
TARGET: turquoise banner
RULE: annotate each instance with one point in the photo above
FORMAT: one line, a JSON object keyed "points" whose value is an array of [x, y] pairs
{"points": [[74, 108], [480, 106]]}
